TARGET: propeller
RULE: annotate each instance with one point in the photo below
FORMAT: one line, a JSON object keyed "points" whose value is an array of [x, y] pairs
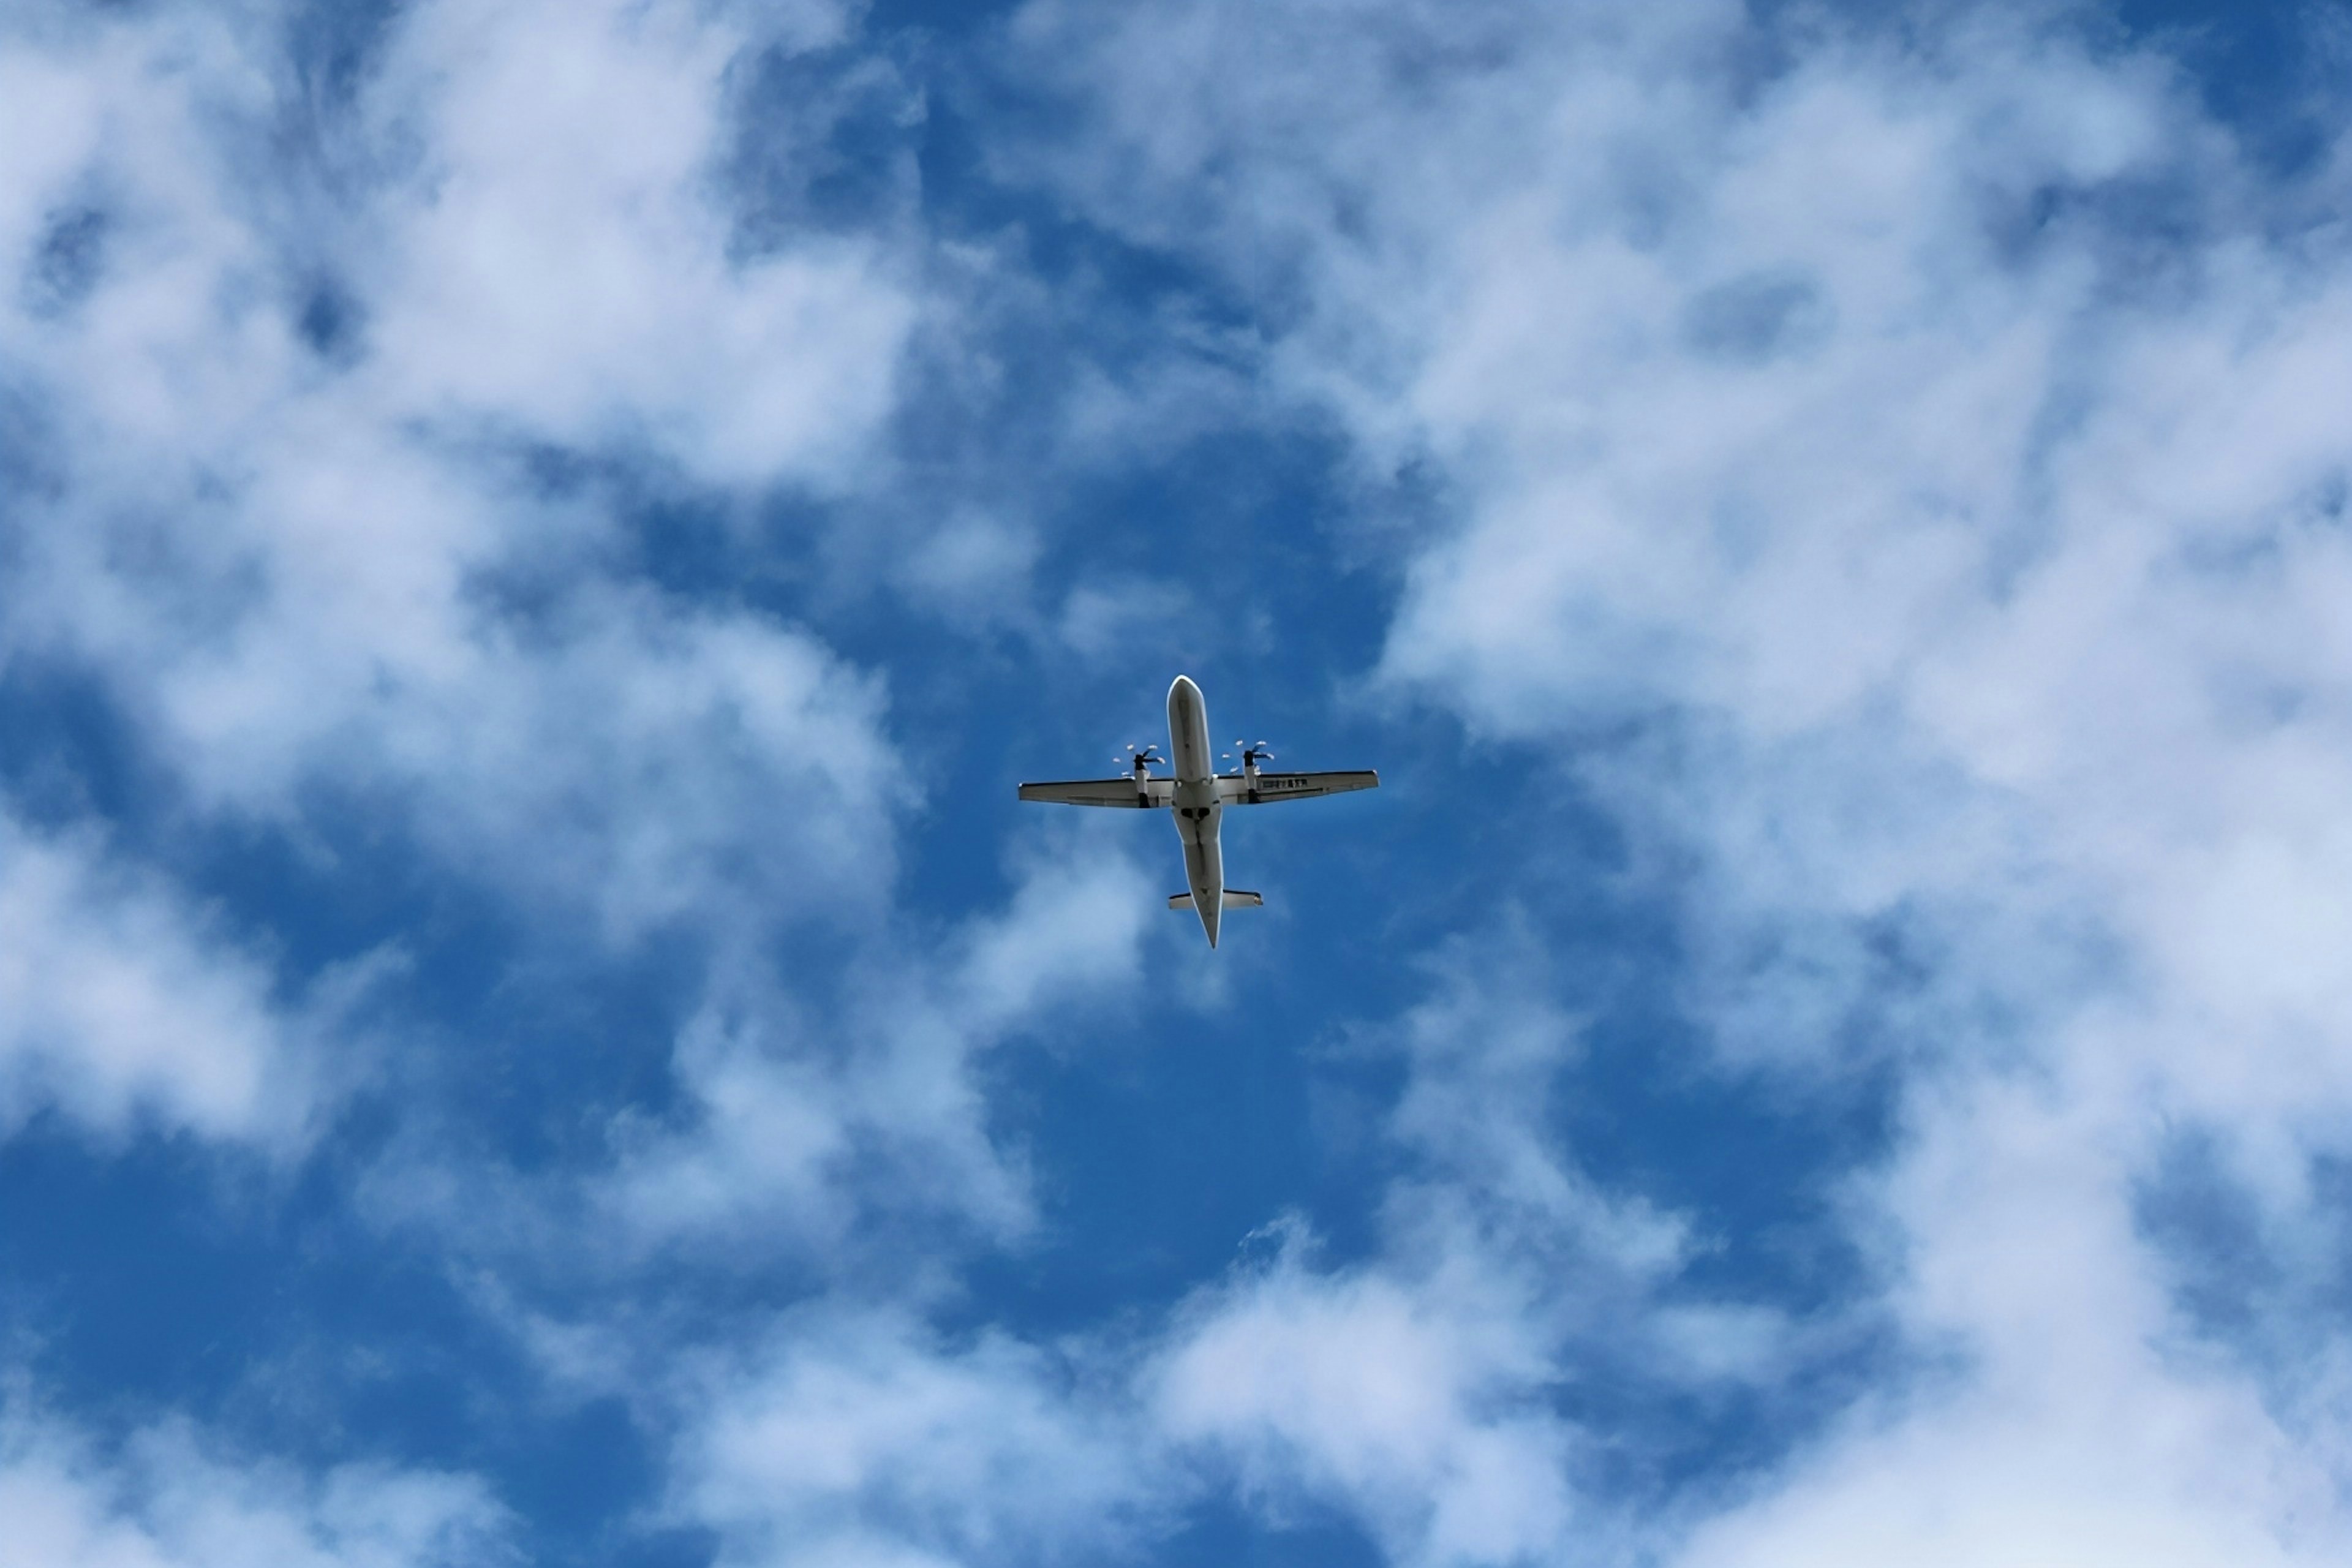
{"points": [[1141, 757], [1251, 752]]}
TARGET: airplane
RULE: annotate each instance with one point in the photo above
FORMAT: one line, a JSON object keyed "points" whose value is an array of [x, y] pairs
{"points": [[1198, 795]]}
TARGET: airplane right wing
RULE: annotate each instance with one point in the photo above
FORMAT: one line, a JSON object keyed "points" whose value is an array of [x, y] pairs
{"points": [[1232, 789], [1102, 791]]}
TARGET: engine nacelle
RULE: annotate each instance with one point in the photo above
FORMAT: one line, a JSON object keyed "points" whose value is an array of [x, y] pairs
{"points": [[1141, 768]]}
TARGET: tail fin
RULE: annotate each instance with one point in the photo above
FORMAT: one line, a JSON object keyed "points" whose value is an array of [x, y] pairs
{"points": [[1235, 898]]}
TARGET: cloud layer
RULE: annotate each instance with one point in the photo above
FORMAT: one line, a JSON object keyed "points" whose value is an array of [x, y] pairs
{"points": [[168, 1496]]}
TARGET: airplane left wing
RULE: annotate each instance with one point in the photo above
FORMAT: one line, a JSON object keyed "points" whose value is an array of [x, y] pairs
{"points": [[1101, 792], [1234, 789]]}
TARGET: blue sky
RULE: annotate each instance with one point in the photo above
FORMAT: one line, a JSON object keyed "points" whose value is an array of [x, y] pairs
{"points": [[535, 540]]}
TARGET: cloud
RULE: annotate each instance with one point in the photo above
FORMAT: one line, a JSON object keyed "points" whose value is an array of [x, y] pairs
{"points": [[856, 1150], [1421, 1388], [557, 258], [128, 1007], [841, 1135], [2084, 1425], [1419, 1416], [863, 1437], [295, 570], [820, 1125], [172, 1496], [389, 577]]}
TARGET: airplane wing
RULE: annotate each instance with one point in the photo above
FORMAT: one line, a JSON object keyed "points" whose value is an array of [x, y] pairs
{"points": [[1232, 789], [1100, 791]]}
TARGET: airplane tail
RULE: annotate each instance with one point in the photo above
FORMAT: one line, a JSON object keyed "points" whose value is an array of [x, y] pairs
{"points": [[1235, 898]]}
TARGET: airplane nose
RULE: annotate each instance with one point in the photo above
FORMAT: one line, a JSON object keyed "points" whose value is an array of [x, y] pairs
{"points": [[1184, 689]]}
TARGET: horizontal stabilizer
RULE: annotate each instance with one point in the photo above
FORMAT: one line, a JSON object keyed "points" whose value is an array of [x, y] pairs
{"points": [[1234, 899]]}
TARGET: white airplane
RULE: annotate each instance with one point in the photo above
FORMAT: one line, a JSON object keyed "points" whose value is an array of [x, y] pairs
{"points": [[1199, 794]]}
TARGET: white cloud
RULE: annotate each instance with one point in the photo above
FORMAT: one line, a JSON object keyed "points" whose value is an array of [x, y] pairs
{"points": [[171, 1496], [306, 576], [1383, 1394], [812, 1126], [1419, 1389], [558, 260], [122, 1005], [1074, 926], [862, 1437], [845, 1429], [290, 568], [2084, 1430], [790, 1107]]}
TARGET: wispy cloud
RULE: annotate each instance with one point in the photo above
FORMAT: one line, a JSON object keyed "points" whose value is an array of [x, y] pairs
{"points": [[174, 1496], [862, 1437], [129, 1007]]}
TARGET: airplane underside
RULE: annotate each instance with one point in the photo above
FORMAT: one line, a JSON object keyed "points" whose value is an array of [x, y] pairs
{"points": [[1204, 868], [1197, 796]]}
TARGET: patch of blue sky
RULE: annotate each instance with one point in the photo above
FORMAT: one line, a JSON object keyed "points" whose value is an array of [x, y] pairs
{"points": [[69, 753], [2271, 70]]}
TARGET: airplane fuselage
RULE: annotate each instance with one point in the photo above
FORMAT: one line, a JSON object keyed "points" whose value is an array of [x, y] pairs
{"points": [[1198, 811]]}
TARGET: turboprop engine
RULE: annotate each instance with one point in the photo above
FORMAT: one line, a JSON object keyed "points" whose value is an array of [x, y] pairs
{"points": [[1142, 760], [1251, 755]]}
